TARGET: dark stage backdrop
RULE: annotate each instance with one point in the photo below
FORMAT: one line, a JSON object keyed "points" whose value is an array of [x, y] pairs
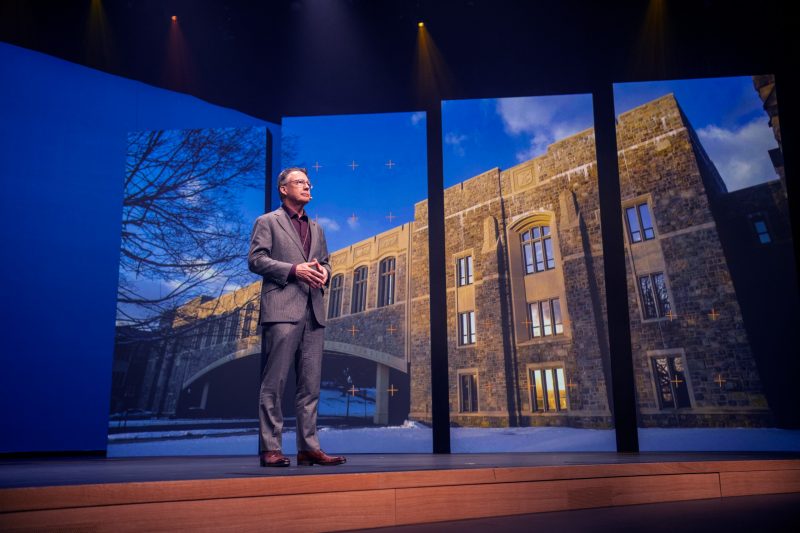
{"points": [[64, 137]]}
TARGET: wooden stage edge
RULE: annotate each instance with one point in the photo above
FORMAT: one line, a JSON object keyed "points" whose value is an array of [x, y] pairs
{"points": [[331, 502]]}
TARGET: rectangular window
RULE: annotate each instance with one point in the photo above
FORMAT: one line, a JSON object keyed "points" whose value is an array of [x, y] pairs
{"points": [[359, 300], [208, 334], [335, 298], [464, 270], [248, 318], [670, 378], [199, 330], [547, 327], [545, 318], [548, 389], [760, 227], [558, 326], [386, 282], [466, 328], [640, 224], [537, 249], [219, 337], [536, 319], [468, 392], [233, 325], [655, 298]]}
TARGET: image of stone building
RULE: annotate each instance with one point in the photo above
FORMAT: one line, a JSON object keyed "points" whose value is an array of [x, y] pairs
{"points": [[526, 318], [526, 300]]}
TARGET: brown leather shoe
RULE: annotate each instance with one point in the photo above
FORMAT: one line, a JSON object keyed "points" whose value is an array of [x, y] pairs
{"points": [[273, 458], [318, 457]]}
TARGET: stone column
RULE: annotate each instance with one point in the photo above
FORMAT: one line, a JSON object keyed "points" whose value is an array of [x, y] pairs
{"points": [[381, 416]]}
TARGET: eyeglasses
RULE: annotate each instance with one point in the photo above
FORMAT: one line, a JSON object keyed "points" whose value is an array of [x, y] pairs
{"points": [[301, 183]]}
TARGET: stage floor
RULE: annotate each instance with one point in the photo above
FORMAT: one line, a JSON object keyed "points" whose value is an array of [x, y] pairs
{"points": [[44, 472], [215, 493]]}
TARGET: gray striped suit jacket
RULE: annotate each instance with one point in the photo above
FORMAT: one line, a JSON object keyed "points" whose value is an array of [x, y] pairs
{"points": [[274, 248]]}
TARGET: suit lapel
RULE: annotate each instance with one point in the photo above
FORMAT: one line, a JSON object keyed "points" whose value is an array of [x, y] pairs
{"points": [[286, 224], [312, 231]]}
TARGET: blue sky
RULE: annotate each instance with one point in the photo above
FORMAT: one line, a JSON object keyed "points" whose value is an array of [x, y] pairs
{"points": [[728, 117], [482, 134], [380, 195]]}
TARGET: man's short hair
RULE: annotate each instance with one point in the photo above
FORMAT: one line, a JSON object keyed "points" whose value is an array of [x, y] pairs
{"points": [[284, 175]]}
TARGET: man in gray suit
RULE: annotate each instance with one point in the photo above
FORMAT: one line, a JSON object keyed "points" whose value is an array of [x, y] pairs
{"points": [[288, 249]]}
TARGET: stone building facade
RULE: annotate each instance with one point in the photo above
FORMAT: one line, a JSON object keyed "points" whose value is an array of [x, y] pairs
{"points": [[527, 341], [526, 313]]}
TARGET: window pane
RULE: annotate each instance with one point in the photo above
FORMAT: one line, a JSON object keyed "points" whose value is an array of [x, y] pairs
{"points": [[536, 325], [539, 256], [661, 294], [648, 299], [546, 320], [472, 329], [562, 389], [633, 225], [538, 390], [464, 386], [662, 377], [548, 252], [761, 230], [559, 327], [528, 257], [551, 390], [679, 385], [473, 390], [647, 225], [468, 393], [469, 269]]}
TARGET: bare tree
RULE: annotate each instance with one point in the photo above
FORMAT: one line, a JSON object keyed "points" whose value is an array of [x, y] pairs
{"points": [[183, 234]]}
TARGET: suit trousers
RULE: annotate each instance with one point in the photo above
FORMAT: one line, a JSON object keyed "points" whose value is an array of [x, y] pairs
{"points": [[290, 343]]}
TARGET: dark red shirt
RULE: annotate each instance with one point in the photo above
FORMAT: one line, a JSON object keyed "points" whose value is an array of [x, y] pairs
{"points": [[300, 223]]}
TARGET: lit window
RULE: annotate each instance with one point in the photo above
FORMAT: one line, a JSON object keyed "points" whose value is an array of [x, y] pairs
{"points": [[548, 389], [468, 392], [640, 224], [464, 270], [655, 299], [545, 318], [335, 299], [537, 249], [670, 377], [466, 328], [359, 301]]}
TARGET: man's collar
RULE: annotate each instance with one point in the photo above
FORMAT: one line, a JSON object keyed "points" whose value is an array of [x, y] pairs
{"points": [[292, 213]]}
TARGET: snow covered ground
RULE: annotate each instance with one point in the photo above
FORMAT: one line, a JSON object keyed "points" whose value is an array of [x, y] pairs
{"points": [[333, 402], [416, 438]]}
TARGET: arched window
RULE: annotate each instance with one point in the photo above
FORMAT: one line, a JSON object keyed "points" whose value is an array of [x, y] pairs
{"points": [[537, 249], [386, 282], [359, 300], [335, 300]]}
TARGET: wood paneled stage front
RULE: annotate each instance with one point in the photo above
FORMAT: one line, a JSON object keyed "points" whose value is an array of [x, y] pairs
{"points": [[220, 493]]}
